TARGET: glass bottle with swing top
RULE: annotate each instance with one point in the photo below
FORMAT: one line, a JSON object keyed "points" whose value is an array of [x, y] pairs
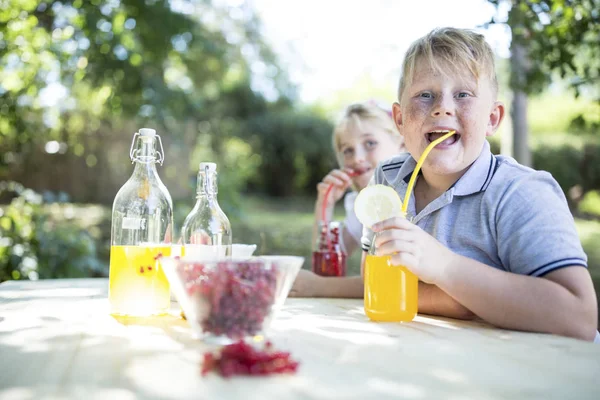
{"points": [[206, 231], [142, 226]]}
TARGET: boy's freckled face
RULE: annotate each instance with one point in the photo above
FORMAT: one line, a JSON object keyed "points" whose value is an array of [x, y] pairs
{"points": [[435, 102], [363, 146]]}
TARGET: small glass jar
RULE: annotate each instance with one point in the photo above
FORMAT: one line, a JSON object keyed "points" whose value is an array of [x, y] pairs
{"points": [[391, 291], [329, 255]]}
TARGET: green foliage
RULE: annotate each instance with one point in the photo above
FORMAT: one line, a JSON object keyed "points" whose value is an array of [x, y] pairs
{"points": [[574, 162], [33, 245], [582, 124], [277, 226], [295, 150], [236, 164], [560, 36], [589, 232], [562, 162], [590, 204], [494, 145], [73, 68], [551, 114]]}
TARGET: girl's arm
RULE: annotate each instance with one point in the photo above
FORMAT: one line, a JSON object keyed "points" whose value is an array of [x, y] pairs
{"points": [[309, 284]]}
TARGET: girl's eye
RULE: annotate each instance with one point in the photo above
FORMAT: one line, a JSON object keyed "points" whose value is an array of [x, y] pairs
{"points": [[425, 95], [462, 95], [369, 144], [347, 151]]}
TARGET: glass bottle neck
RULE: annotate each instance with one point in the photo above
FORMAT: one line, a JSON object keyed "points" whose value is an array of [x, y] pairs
{"points": [[145, 156], [207, 184], [144, 169], [373, 248]]}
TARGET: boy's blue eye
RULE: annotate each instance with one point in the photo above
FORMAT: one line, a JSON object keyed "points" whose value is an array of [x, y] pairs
{"points": [[370, 144], [425, 95], [463, 95]]}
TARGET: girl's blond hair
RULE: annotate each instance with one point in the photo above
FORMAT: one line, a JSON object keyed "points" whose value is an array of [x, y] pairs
{"points": [[357, 112], [449, 51]]}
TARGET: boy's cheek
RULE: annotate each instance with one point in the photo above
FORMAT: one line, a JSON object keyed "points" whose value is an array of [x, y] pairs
{"points": [[415, 111]]}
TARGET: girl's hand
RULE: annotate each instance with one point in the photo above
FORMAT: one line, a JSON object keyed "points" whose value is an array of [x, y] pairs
{"points": [[410, 246], [341, 181]]}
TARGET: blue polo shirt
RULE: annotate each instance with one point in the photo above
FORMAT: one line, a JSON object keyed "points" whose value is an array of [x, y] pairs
{"points": [[499, 213]]}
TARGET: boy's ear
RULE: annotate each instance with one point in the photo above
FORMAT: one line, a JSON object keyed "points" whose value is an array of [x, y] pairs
{"points": [[496, 117], [397, 115]]}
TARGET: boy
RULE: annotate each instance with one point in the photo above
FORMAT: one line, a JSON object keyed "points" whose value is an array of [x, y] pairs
{"points": [[488, 236]]}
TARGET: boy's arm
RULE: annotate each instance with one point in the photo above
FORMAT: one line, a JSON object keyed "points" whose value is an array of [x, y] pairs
{"points": [[562, 302], [434, 301]]}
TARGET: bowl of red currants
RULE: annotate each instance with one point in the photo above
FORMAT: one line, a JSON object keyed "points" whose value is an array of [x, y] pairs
{"points": [[231, 299]]}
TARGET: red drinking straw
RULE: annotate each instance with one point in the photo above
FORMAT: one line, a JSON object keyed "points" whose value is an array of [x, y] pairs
{"points": [[323, 211]]}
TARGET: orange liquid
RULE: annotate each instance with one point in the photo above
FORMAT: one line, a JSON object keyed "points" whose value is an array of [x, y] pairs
{"points": [[137, 286], [391, 292]]}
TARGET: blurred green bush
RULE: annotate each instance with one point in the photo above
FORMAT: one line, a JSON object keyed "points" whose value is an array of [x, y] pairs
{"points": [[575, 164], [590, 204], [295, 151], [574, 161], [34, 245]]}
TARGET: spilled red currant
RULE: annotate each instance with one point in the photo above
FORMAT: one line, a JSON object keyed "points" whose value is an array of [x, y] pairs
{"points": [[240, 358]]}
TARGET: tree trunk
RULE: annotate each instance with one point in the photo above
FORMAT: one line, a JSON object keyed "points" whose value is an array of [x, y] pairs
{"points": [[520, 131]]}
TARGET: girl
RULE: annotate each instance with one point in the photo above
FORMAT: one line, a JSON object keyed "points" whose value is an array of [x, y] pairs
{"points": [[365, 136]]}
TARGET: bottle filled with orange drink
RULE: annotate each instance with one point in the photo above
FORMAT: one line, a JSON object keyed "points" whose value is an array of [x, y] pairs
{"points": [[142, 225], [391, 291]]}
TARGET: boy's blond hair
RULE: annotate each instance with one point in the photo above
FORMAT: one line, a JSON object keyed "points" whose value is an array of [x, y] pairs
{"points": [[357, 112], [450, 50]]}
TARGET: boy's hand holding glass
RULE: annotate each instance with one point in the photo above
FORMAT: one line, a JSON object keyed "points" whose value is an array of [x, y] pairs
{"points": [[410, 246]]}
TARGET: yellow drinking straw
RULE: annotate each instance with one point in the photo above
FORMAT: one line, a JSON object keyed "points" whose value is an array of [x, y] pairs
{"points": [[413, 177]]}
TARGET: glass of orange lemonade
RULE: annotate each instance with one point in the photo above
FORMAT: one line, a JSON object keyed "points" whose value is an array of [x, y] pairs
{"points": [[391, 292]]}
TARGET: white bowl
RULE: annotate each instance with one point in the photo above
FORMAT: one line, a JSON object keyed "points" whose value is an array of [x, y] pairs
{"points": [[239, 250], [291, 265]]}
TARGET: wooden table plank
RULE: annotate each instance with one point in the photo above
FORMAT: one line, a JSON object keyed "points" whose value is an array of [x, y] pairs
{"points": [[58, 342]]}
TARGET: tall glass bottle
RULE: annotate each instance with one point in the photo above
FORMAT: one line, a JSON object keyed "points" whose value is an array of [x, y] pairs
{"points": [[142, 226], [206, 231]]}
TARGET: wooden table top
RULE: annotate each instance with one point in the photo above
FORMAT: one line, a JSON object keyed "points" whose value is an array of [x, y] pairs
{"points": [[57, 341]]}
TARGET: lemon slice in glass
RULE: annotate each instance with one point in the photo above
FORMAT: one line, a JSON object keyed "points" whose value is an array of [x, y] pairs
{"points": [[377, 203]]}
